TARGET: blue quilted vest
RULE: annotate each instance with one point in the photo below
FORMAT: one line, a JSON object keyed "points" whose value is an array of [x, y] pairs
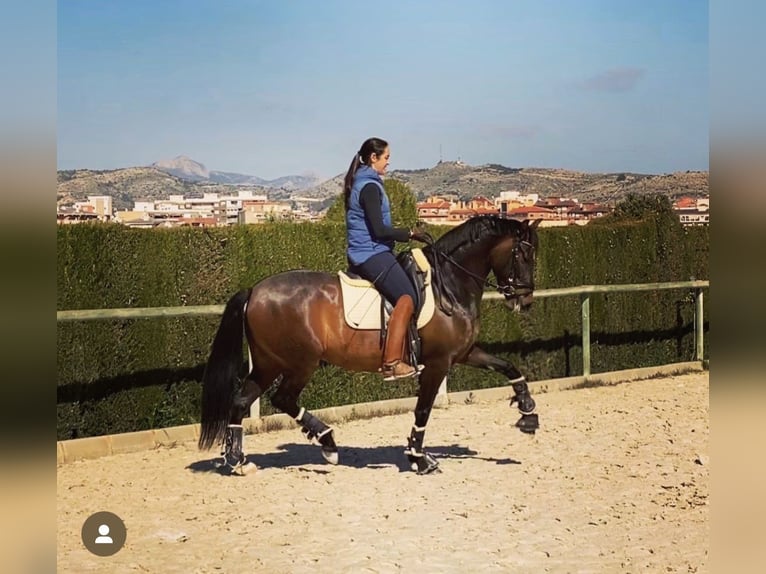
{"points": [[361, 244]]}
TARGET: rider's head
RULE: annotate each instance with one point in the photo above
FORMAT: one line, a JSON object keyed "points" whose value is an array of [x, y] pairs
{"points": [[373, 153]]}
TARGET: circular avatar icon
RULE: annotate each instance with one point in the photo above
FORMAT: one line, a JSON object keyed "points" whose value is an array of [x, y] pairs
{"points": [[104, 533]]}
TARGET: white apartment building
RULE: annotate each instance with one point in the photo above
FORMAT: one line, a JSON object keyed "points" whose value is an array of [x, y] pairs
{"points": [[510, 200], [96, 208], [224, 208]]}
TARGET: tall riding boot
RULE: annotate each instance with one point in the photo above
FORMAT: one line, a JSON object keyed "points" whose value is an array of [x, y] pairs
{"points": [[394, 366]]}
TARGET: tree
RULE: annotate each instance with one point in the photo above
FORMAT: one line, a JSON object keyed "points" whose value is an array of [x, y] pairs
{"points": [[404, 204], [639, 207], [336, 213], [404, 209]]}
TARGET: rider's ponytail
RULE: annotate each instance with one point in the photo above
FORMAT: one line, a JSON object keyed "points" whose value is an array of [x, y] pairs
{"points": [[371, 146]]}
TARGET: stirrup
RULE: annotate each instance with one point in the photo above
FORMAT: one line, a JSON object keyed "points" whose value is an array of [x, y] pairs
{"points": [[399, 370]]}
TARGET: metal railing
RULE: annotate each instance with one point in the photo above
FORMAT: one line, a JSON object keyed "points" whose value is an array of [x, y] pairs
{"points": [[584, 291]]}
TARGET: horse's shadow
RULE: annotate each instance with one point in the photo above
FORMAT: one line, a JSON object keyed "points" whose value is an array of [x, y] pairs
{"points": [[291, 455]]}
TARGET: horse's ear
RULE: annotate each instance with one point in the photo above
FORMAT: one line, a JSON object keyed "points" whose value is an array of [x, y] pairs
{"points": [[534, 224]]}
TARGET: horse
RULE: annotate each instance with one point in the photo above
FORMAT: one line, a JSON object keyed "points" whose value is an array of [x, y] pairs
{"points": [[293, 323]]}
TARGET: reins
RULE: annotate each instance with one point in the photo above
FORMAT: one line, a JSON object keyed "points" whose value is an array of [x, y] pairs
{"points": [[483, 281], [507, 290]]}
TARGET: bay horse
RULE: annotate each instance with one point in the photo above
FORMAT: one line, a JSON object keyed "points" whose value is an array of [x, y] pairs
{"points": [[294, 321]]}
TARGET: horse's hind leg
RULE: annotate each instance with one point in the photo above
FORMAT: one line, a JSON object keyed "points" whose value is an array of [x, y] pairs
{"points": [[286, 400], [233, 454]]}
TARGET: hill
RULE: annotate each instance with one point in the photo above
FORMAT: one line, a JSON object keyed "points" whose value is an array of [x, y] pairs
{"points": [[446, 178], [186, 168], [127, 185], [464, 181]]}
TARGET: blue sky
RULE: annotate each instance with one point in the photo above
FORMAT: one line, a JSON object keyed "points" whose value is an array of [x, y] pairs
{"points": [[290, 87]]}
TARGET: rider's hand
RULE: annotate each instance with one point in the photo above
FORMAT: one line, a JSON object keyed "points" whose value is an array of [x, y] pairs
{"points": [[422, 236]]}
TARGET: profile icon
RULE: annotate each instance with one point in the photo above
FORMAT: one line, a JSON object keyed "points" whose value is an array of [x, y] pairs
{"points": [[104, 537], [104, 533]]}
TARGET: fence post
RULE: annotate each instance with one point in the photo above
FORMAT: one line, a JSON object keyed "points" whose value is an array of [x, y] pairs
{"points": [[699, 325], [585, 311]]}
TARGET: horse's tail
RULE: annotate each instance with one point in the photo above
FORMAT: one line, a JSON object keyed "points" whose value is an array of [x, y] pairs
{"points": [[222, 370]]}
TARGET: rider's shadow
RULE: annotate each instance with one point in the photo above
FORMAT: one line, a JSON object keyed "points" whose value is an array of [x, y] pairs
{"points": [[292, 455]]}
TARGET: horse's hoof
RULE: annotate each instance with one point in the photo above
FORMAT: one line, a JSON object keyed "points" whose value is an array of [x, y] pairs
{"points": [[429, 469], [244, 469], [330, 456], [528, 423], [425, 464]]}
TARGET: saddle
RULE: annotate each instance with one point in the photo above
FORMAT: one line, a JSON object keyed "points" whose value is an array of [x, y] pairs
{"points": [[363, 306]]}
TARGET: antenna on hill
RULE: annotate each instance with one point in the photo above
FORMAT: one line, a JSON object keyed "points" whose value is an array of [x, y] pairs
{"points": [[440, 153]]}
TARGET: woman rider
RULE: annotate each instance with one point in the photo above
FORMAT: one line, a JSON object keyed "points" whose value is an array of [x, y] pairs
{"points": [[370, 239]]}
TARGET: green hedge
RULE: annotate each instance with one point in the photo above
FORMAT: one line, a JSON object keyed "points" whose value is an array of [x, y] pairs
{"points": [[126, 375]]}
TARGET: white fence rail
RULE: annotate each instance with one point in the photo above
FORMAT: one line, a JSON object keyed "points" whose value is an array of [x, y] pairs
{"points": [[584, 292]]}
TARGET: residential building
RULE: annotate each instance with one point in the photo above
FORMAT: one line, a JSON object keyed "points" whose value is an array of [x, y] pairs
{"points": [[210, 210], [96, 208], [692, 211], [434, 210], [548, 217], [263, 210], [509, 200]]}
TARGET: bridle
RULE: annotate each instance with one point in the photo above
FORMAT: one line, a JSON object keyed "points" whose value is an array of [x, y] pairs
{"points": [[525, 249], [521, 248]]}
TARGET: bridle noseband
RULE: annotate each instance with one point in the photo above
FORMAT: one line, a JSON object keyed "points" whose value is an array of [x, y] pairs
{"points": [[509, 289]]}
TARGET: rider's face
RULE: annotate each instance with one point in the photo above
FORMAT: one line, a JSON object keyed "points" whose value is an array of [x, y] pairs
{"points": [[380, 162]]}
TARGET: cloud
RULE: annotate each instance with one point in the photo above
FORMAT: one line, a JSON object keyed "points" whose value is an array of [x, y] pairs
{"points": [[614, 80]]}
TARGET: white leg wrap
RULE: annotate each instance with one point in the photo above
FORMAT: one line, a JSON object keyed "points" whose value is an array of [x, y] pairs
{"points": [[300, 414], [519, 380]]}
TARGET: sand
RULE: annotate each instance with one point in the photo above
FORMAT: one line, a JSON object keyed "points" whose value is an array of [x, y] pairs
{"points": [[616, 480]]}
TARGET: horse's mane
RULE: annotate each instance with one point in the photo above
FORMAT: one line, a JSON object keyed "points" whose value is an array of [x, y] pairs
{"points": [[452, 242], [475, 229]]}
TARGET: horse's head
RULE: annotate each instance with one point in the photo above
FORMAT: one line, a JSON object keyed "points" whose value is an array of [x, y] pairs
{"points": [[513, 263]]}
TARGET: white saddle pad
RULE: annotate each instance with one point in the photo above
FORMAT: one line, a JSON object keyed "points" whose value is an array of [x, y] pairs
{"points": [[361, 301]]}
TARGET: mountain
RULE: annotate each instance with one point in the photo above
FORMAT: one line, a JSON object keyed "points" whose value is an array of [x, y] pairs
{"points": [[127, 185], [186, 168], [183, 167], [465, 181], [454, 179], [295, 182], [236, 178]]}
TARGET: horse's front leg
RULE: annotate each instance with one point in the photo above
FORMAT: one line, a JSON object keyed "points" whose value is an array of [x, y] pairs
{"points": [[420, 460], [528, 422]]}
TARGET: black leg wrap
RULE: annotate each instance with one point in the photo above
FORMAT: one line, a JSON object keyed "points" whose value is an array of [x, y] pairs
{"points": [[314, 429], [420, 461], [415, 442], [232, 453], [528, 423], [318, 433]]}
